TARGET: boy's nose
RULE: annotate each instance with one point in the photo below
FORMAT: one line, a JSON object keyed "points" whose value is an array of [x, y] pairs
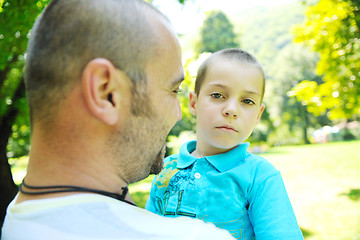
{"points": [[230, 114], [231, 109]]}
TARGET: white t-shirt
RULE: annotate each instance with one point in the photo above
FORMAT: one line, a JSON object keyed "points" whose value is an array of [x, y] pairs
{"points": [[93, 216]]}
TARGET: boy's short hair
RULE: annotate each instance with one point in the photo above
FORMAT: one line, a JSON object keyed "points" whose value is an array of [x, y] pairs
{"points": [[232, 54]]}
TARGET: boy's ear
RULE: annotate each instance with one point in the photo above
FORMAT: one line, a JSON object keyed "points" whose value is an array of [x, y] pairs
{"points": [[103, 86], [192, 103], [262, 107]]}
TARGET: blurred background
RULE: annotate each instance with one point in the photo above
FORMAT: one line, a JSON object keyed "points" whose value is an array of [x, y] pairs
{"points": [[310, 129]]}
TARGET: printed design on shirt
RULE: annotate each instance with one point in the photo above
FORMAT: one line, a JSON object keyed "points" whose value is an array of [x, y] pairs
{"points": [[180, 181], [176, 182], [236, 226], [177, 192], [169, 169]]}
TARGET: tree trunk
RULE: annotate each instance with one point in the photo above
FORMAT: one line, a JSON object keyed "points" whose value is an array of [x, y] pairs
{"points": [[304, 114], [306, 124], [8, 189]]}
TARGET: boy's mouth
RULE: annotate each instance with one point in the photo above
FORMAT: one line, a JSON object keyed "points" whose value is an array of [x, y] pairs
{"points": [[227, 128]]}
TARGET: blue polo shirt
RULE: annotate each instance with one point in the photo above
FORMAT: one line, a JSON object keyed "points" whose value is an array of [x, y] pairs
{"points": [[236, 190]]}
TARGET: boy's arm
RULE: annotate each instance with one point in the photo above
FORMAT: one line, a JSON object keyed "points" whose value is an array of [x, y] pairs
{"points": [[271, 212]]}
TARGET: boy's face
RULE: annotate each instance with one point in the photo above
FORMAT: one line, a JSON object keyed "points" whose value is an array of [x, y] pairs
{"points": [[228, 105]]}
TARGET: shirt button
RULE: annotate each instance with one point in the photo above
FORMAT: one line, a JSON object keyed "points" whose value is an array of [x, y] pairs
{"points": [[197, 175]]}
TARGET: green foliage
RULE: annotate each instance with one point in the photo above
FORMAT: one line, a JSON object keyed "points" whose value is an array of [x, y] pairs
{"points": [[188, 122], [262, 129], [266, 30], [217, 33], [268, 37], [332, 29], [354, 194], [19, 17], [293, 64]]}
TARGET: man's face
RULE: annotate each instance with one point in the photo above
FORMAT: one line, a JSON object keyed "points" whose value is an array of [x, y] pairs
{"points": [[146, 134]]}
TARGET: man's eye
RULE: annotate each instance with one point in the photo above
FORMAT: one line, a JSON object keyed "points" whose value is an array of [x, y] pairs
{"points": [[179, 90], [217, 95], [248, 101]]}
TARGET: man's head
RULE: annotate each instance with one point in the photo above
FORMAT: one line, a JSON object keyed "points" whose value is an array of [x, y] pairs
{"points": [[232, 54], [120, 64], [70, 33]]}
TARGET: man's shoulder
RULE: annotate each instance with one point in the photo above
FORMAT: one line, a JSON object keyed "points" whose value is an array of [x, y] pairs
{"points": [[99, 217], [181, 227]]}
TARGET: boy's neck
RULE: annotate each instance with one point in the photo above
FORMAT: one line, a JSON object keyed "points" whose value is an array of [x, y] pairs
{"points": [[198, 153]]}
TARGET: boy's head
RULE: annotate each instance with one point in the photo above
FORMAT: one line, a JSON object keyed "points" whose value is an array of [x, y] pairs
{"points": [[228, 100], [235, 54]]}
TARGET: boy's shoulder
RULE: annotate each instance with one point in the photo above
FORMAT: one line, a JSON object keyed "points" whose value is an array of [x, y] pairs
{"points": [[257, 167], [258, 161]]}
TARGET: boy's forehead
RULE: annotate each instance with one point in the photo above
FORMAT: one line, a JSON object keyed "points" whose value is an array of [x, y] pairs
{"points": [[228, 65], [222, 66]]}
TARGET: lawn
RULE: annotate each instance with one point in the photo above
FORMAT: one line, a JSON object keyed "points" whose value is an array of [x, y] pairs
{"points": [[323, 183]]}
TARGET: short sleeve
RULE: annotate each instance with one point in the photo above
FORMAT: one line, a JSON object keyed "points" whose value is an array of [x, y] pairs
{"points": [[271, 212]]}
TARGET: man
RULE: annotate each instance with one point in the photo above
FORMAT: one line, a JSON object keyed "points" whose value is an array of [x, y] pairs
{"points": [[102, 79]]}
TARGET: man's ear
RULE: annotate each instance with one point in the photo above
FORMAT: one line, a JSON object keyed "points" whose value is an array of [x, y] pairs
{"points": [[262, 107], [103, 87], [192, 103]]}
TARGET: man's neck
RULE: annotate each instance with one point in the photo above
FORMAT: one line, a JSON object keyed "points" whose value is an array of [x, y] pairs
{"points": [[49, 166]]}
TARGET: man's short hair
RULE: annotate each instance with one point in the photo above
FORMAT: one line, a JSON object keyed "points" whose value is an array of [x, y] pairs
{"points": [[232, 54], [70, 33]]}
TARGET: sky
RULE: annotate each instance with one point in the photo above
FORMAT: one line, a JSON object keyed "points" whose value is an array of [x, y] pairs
{"points": [[186, 18]]}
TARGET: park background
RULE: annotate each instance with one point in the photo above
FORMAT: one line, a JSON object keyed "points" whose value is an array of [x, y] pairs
{"points": [[310, 130]]}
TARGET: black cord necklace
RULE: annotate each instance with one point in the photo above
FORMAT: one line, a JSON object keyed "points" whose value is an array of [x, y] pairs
{"points": [[69, 188]]}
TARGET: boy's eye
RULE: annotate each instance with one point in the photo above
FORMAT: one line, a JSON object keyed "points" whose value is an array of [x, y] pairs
{"points": [[248, 101], [216, 95]]}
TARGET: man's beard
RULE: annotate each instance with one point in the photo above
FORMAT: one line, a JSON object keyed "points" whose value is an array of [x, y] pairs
{"points": [[136, 154], [139, 147], [158, 162], [140, 144]]}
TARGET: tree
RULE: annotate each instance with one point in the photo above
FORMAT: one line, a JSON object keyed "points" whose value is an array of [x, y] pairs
{"points": [[265, 35], [217, 33], [332, 29], [293, 64], [17, 18]]}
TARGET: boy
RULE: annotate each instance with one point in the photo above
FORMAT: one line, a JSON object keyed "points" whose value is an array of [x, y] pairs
{"points": [[214, 178]]}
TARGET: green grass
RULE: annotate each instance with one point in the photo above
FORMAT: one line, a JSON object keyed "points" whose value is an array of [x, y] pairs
{"points": [[323, 183], [140, 191]]}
